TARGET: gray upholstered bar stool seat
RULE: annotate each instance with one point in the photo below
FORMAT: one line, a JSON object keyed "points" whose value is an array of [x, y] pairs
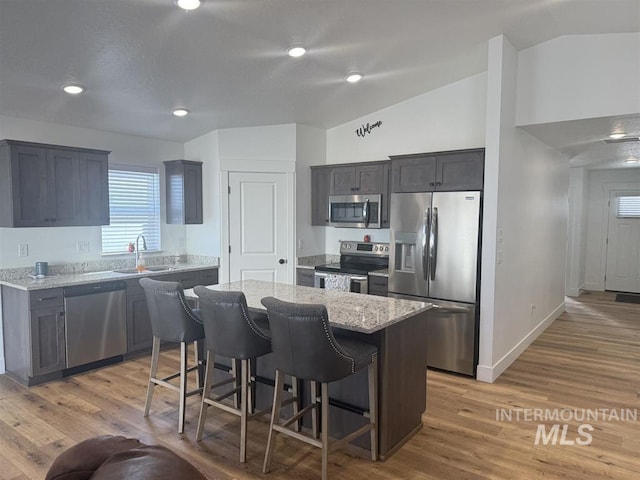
{"points": [[172, 320], [230, 331], [304, 346]]}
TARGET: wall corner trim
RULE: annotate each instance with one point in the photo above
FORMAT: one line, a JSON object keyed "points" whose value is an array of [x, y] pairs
{"points": [[491, 374]]}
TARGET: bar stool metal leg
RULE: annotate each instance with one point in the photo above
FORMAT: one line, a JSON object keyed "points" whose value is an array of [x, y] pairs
{"points": [[208, 381], [155, 353], [275, 419], [244, 406], [324, 434], [314, 410], [183, 385]]}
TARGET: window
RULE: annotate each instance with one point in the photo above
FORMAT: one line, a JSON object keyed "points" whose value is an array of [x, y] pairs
{"points": [[628, 206], [134, 209]]}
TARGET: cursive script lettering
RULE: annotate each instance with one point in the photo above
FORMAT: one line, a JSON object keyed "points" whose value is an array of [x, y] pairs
{"points": [[364, 129]]}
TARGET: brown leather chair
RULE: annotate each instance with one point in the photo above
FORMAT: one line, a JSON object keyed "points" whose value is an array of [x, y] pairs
{"points": [[108, 457]]}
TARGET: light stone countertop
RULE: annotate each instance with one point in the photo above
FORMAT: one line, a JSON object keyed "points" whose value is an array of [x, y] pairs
{"points": [[65, 280], [351, 311]]}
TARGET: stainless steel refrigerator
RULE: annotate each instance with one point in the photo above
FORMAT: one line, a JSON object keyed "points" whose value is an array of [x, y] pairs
{"points": [[434, 257]]}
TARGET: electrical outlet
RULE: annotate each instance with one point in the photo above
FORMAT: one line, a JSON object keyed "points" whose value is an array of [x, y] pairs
{"points": [[23, 249], [82, 246]]}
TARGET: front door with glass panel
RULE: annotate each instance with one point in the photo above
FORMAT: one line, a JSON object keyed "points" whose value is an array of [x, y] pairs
{"points": [[623, 243]]}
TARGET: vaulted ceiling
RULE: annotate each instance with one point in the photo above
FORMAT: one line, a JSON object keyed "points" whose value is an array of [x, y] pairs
{"points": [[226, 61]]}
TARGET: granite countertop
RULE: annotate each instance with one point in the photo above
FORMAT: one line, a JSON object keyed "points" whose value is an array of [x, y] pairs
{"points": [[351, 311], [65, 280]]}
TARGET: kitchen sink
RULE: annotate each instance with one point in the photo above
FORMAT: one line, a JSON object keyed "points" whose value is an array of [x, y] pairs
{"points": [[155, 268]]}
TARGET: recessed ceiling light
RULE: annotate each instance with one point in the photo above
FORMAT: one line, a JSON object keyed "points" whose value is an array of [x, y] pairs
{"points": [[188, 4], [73, 88], [631, 160], [354, 77], [616, 136], [296, 51], [181, 112]]}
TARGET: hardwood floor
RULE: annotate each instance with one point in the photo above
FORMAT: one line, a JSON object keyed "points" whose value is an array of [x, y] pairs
{"points": [[587, 359]]}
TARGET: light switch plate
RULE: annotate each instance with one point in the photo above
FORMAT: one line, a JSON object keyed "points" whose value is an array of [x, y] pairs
{"points": [[82, 246], [23, 249]]}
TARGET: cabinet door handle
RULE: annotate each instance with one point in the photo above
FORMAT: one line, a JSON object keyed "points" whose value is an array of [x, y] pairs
{"points": [[438, 184], [44, 299], [432, 184]]}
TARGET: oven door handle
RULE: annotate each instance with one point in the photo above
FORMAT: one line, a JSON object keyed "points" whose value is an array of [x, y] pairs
{"points": [[357, 278], [321, 275]]}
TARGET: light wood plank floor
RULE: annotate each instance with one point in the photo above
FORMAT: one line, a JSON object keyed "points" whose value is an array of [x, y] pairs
{"points": [[588, 359]]}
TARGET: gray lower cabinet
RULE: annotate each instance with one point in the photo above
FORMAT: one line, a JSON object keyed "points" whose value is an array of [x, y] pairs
{"points": [[304, 277], [52, 186], [438, 172], [33, 324], [139, 336], [34, 334], [378, 285]]}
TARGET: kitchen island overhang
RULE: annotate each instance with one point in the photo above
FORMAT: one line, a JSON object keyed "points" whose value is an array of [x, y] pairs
{"points": [[397, 327]]}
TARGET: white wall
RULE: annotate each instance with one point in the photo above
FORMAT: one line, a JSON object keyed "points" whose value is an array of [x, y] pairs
{"points": [[58, 244], [448, 118], [525, 225], [579, 76], [577, 231], [205, 239], [311, 144], [601, 182]]}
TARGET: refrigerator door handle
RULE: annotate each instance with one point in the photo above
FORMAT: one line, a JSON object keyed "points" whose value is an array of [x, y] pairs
{"points": [[433, 244], [425, 232]]}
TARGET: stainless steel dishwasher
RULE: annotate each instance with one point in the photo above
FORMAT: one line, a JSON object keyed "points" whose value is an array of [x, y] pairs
{"points": [[95, 322]]}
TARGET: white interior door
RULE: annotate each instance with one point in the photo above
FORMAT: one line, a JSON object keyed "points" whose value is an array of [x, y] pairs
{"points": [[258, 226], [623, 244]]}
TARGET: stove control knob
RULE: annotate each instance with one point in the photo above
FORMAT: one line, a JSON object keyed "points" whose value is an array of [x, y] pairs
{"points": [[348, 246], [386, 249]]}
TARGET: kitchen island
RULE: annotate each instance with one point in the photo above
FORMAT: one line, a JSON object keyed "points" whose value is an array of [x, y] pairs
{"points": [[397, 327]]}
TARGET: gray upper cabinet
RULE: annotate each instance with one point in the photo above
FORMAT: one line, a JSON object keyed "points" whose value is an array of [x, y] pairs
{"points": [[356, 179], [413, 173], [462, 170], [52, 186], [320, 195], [352, 179], [442, 171], [184, 191]]}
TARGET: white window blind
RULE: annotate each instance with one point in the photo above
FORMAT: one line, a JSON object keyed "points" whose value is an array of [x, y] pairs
{"points": [[134, 209], [628, 206]]}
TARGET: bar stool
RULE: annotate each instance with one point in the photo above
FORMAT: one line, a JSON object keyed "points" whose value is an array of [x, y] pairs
{"points": [[172, 320], [230, 331], [304, 346]]}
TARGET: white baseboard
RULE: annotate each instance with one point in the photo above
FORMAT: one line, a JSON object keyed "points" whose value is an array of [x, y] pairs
{"points": [[490, 374], [594, 287], [573, 292]]}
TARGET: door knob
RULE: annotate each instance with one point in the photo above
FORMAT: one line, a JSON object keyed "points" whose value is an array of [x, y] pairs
{"points": [[282, 261]]}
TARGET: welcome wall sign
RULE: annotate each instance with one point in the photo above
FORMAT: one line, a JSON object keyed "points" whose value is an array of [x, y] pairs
{"points": [[368, 128]]}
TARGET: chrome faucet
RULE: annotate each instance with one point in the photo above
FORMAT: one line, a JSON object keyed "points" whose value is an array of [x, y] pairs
{"points": [[144, 247]]}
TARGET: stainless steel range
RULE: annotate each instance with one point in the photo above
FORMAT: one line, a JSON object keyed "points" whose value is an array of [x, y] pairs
{"points": [[357, 259]]}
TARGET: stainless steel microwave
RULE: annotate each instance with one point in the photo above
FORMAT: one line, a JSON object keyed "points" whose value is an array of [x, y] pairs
{"points": [[355, 211]]}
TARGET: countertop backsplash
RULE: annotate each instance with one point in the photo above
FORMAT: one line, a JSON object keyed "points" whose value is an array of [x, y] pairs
{"points": [[314, 260]]}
